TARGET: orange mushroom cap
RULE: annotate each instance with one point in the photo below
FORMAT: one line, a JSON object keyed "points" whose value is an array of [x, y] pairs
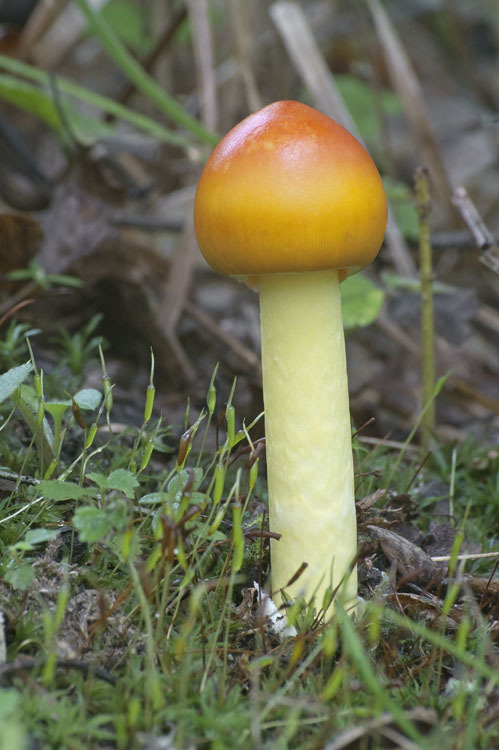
{"points": [[289, 190]]}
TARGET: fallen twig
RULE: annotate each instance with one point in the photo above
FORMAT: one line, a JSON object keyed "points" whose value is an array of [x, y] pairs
{"points": [[484, 239], [477, 556]]}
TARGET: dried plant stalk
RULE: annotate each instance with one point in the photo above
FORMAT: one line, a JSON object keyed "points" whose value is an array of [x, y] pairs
{"points": [[239, 23], [406, 84], [174, 297], [297, 36], [203, 53], [427, 319], [42, 15], [484, 239], [61, 36]]}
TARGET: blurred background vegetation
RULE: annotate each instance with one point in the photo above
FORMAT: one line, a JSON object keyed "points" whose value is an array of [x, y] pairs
{"points": [[109, 110]]}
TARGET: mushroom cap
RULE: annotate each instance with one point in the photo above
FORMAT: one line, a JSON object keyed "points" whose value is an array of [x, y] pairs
{"points": [[289, 190]]}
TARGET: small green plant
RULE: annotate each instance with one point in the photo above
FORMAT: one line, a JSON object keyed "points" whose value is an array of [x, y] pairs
{"points": [[36, 276], [366, 104], [402, 202], [80, 347], [13, 345], [361, 301]]}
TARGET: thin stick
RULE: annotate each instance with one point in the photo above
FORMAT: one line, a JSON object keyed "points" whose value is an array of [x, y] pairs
{"points": [[152, 58], [13, 310], [469, 213], [241, 351], [21, 510], [477, 556], [363, 427], [484, 239], [242, 41], [205, 63], [427, 322], [41, 17], [415, 475], [384, 443]]}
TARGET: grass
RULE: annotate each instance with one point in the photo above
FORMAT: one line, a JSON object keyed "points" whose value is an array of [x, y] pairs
{"points": [[128, 565]]}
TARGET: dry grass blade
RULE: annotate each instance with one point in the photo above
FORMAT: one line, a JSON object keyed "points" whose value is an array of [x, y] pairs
{"points": [[484, 239], [161, 45], [61, 36], [399, 252], [203, 54], [469, 213], [476, 556], [177, 286], [231, 342], [470, 391], [385, 443], [240, 26], [177, 206], [489, 317], [297, 36], [39, 21], [175, 295], [397, 334], [382, 728], [407, 85]]}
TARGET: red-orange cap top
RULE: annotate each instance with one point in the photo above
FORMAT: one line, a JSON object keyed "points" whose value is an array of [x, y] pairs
{"points": [[289, 190]]}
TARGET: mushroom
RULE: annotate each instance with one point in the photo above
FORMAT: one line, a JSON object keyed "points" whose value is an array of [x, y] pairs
{"points": [[291, 202]]}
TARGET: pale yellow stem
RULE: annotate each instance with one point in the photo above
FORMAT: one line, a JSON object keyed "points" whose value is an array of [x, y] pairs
{"points": [[307, 426]]}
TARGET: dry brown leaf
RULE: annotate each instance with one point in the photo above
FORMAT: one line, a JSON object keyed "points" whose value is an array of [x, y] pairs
{"points": [[411, 560], [427, 608], [383, 732], [367, 502]]}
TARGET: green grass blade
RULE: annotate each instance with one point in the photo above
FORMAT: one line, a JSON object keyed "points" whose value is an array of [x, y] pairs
{"points": [[355, 649], [36, 101], [142, 80], [99, 101]]}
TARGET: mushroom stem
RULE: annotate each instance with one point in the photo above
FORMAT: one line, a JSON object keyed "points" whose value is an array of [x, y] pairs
{"points": [[307, 424]]}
